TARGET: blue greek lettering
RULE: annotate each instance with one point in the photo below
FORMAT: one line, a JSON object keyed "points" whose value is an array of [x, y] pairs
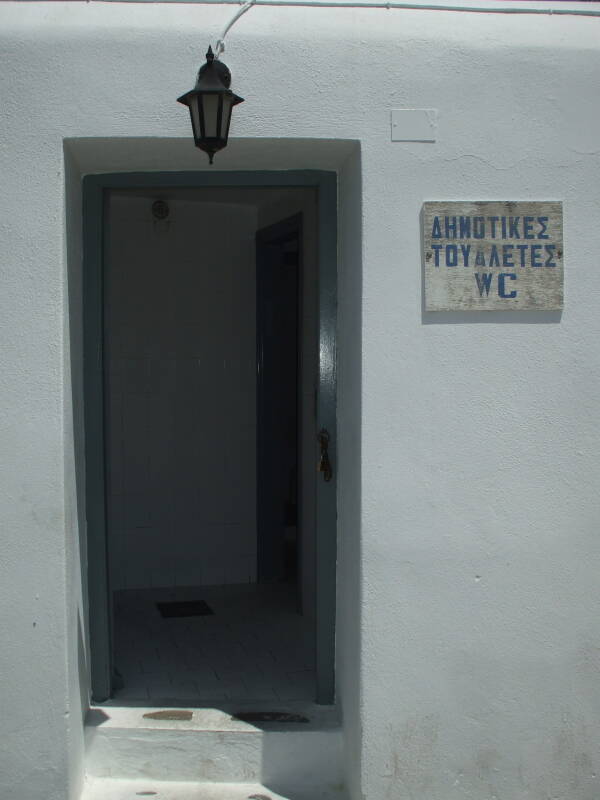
{"points": [[502, 287], [451, 255], [550, 250], [493, 221], [484, 282], [535, 249], [522, 248], [478, 227], [450, 227]]}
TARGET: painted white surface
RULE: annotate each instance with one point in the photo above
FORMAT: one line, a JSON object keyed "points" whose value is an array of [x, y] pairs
{"points": [[299, 757], [414, 125], [180, 332], [468, 634]]}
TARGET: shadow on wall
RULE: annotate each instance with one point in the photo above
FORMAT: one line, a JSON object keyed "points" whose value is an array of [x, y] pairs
{"points": [[495, 317], [77, 601], [82, 666]]}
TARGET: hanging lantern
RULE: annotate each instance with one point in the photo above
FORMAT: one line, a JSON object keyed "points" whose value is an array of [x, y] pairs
{"points": [[211, 102]]}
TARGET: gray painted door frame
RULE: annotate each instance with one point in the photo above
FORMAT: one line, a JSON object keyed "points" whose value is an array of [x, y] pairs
{"points": [[95, 190]]}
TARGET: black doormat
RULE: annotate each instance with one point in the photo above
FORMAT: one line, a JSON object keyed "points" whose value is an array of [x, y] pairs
{"points": [[184, 608]]}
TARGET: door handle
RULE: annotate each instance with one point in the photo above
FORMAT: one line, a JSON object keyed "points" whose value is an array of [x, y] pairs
{"points": [[324, 464]]}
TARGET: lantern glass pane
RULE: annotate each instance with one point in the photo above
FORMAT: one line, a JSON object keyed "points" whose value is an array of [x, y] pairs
{"points": [[226, 116], [210, 104], [195, 114]]}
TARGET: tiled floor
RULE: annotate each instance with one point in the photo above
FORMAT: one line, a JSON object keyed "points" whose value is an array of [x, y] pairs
{"points": [[255, 647]]}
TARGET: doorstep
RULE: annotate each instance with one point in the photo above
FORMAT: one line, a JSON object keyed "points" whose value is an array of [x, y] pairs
{"points": [[197, 748]]}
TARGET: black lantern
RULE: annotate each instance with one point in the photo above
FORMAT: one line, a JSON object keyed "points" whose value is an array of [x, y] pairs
{"points": [[210, 103]]}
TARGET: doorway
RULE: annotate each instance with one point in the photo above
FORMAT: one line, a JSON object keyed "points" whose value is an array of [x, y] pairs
{"points": [[211, 516]]}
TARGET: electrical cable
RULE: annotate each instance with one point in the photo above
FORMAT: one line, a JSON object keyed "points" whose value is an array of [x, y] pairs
{"points": [[409, 6], [220, 46], [564, 12]]}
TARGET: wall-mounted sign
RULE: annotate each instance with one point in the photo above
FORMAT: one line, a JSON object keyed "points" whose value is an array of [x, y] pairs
{"points": [[493, 256]]}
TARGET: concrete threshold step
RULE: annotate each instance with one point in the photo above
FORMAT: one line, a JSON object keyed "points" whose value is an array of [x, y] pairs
{"points": [[123, 789], [200, 748]]}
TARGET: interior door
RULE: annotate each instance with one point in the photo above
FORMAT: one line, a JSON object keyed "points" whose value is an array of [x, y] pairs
{"points": [[278, 254]]}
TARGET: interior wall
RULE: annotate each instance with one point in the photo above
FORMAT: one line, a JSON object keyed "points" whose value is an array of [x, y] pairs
{"points": [[181, 360]]}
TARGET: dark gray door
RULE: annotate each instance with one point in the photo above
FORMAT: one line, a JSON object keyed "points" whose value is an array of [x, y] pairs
{"points": [[277, 282]]}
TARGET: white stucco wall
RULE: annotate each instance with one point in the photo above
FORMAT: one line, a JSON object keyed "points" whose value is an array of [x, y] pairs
{"points": [[468, 634]]}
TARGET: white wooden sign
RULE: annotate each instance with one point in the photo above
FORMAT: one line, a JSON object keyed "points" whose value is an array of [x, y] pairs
{"points": [[493, 256]]}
